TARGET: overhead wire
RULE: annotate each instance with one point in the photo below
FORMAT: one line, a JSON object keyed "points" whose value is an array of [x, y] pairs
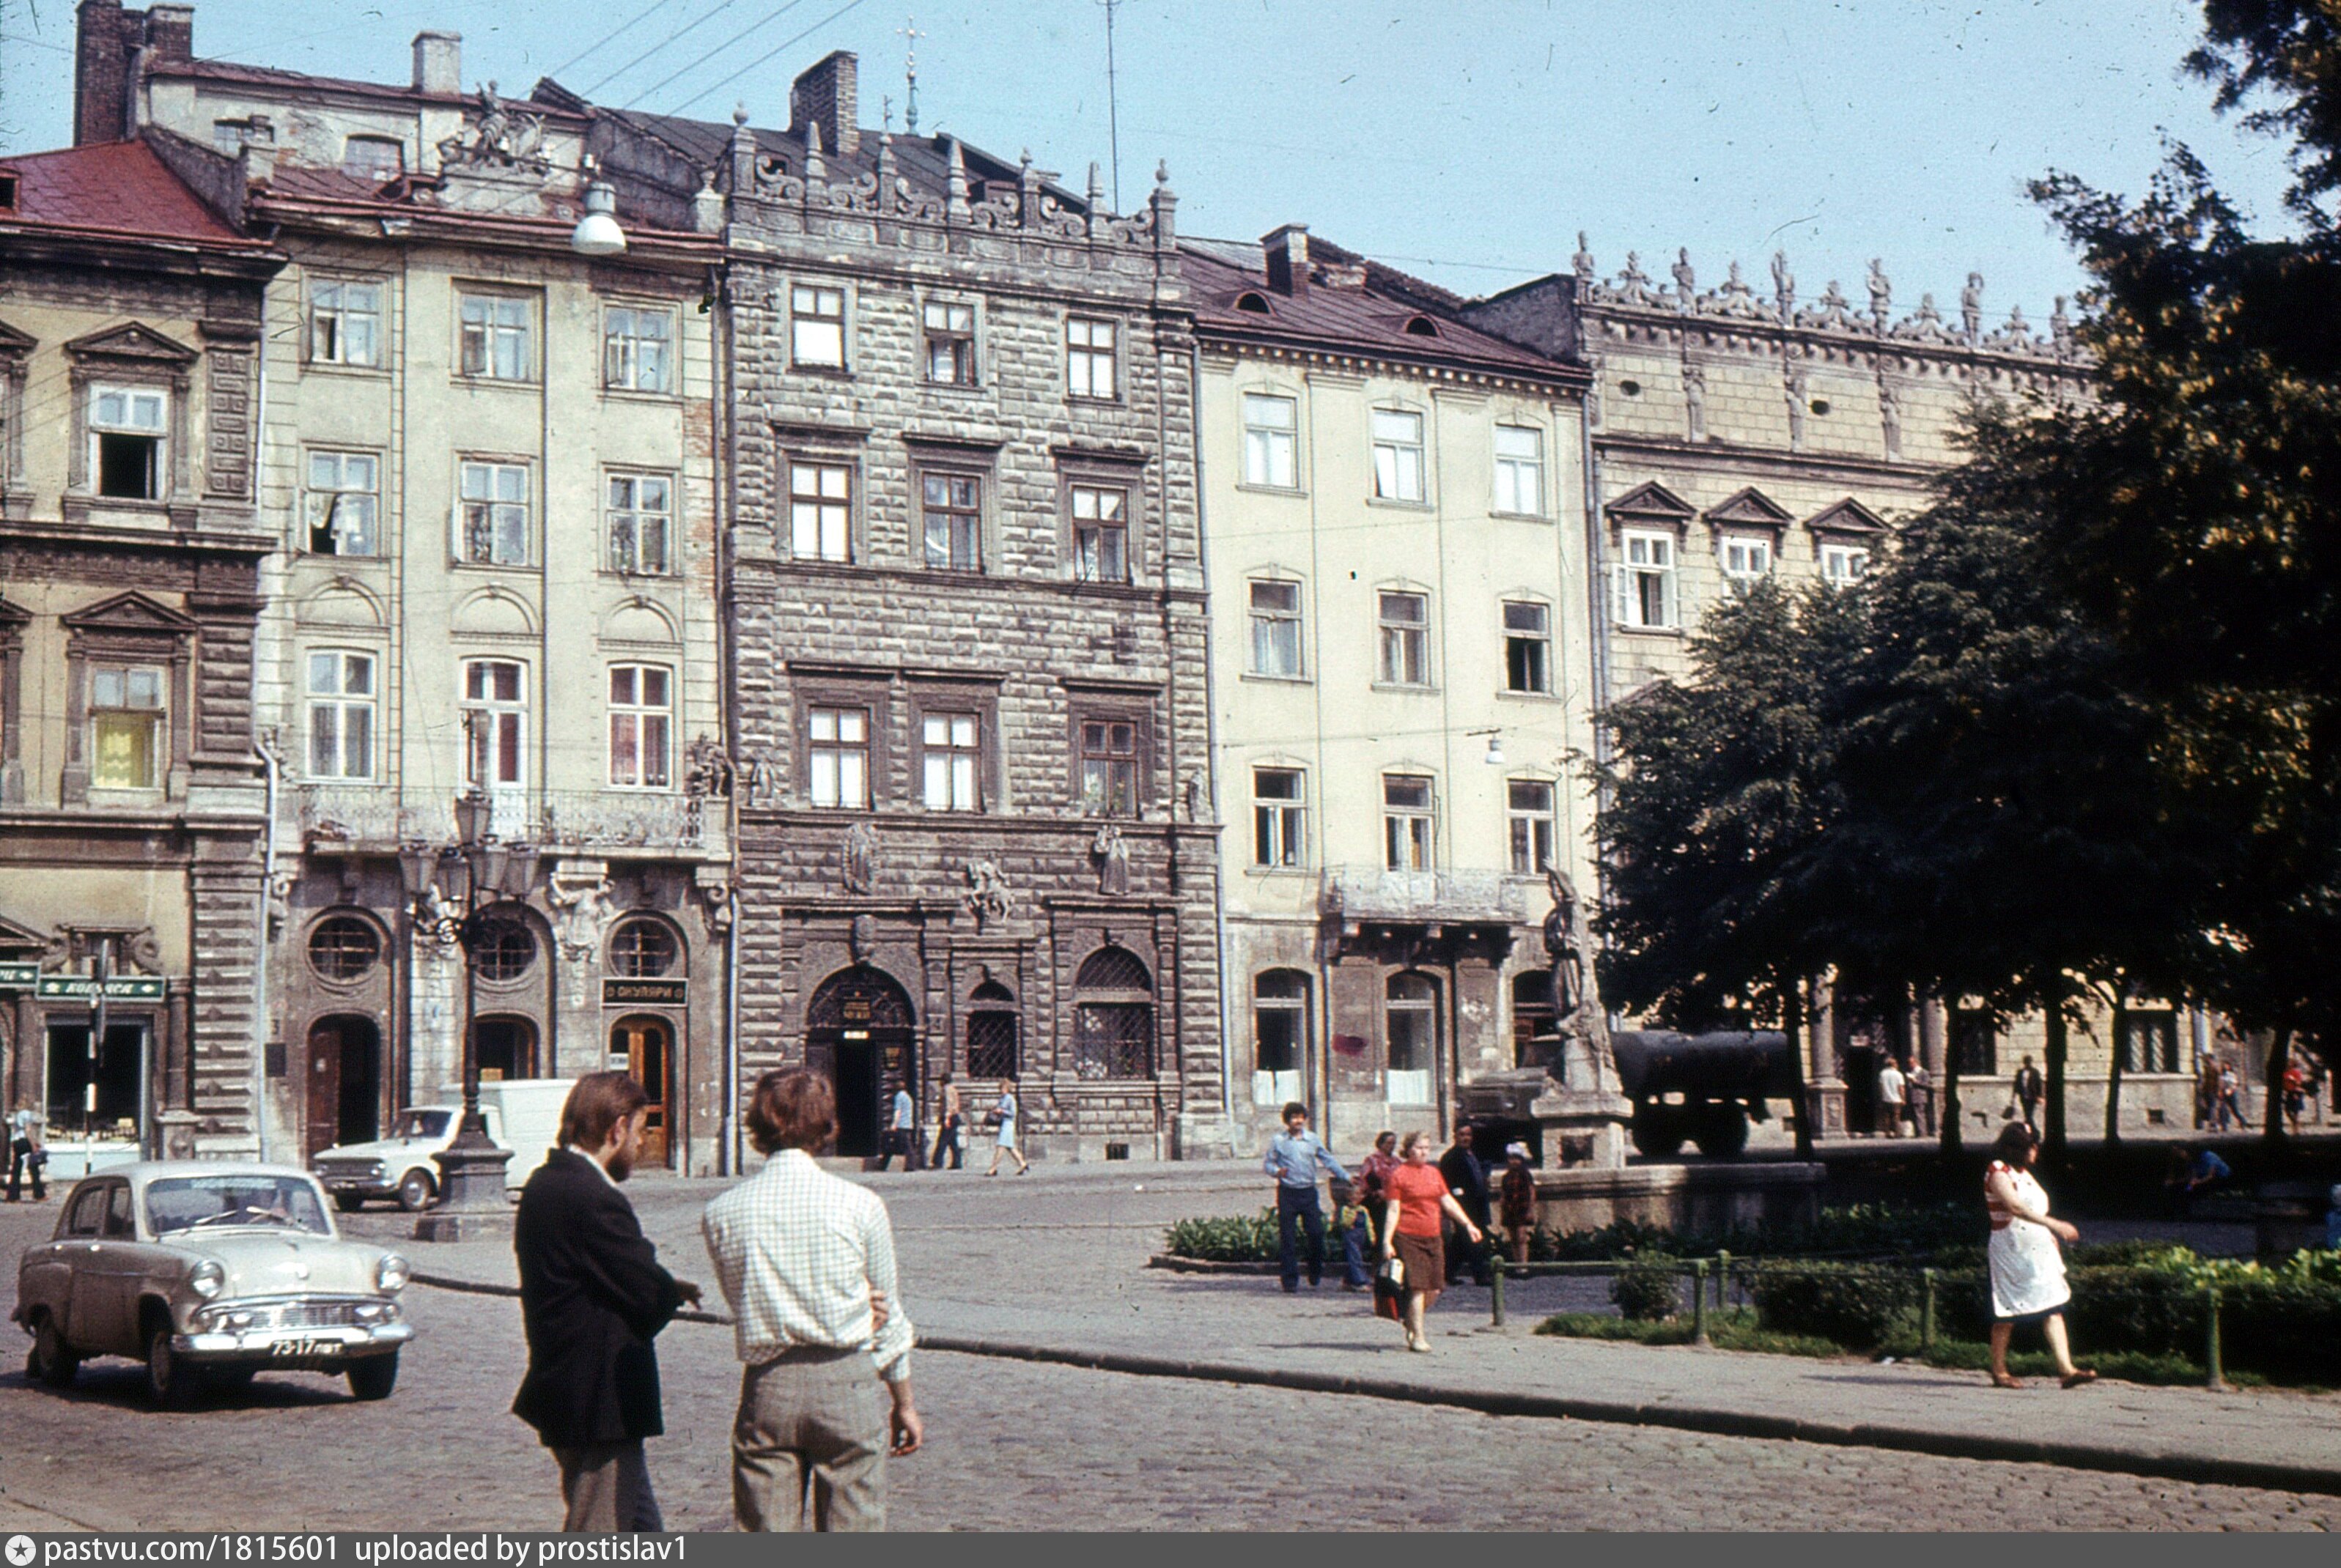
{"points": [[672, 38], [623, 27], [760, 23], [759, 60]]}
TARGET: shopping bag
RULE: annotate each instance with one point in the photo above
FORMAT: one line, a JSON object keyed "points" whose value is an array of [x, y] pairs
{"points": [[1390, 1289]]}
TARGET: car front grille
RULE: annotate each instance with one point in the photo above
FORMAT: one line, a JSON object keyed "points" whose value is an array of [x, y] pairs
{"points": [[349, 1170], [326, 1314]]}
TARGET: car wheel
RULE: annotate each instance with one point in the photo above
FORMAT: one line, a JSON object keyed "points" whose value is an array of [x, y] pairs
{"points": [[349, 1201], [374, 1377], [416, 1191], [52, 1360], [169, 1381]]}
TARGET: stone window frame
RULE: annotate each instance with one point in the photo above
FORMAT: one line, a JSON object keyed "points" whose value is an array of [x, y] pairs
{"points": [[1725, 537], [846, 302], [1095, 470], [1625, 592], [312, 699], [1117, 354], [792, 451], [15, 351], [304, 524], [874, 696], [497, 708], [974, 305], [951, 464], [930, 697], [1843, 545], [533, 547], [1087, 709], [131, 355], [636, 474], [104, 634], [344, 984], [642, 713], [309, 359], [13, 618]]}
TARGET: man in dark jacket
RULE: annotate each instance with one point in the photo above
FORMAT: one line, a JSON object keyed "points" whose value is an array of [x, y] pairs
{"points": [[591, 1297], [1466, 1179]]}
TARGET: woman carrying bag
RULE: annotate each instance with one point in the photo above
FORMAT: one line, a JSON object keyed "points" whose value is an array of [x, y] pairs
{"points": [[1410, 1232]]}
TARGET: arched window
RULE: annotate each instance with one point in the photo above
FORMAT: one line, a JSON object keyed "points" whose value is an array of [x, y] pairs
{"points": [[1412, 1008], [506, 950], [1279, 1013], [1113, 1016], [345, 946], [991, 1032], [1253, 301], [643, 949]]}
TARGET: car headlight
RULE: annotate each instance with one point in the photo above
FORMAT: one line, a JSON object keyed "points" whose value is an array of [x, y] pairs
{"points": [[391, 1273], [208, 1278]]}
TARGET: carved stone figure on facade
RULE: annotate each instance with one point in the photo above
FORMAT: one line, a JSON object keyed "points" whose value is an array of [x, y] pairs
{"points": [[1195, 795], [709, 771], [1784, 287], [498, 137], [1582, 262], [857, 859], [1971, 308], [1111, 853], [716, 901], [1889, 415], [1881, 292], [1686, 281], [2060, 329], [764, 779], [987, 892], [1798, 389], [586, 910], [1694, 399], [862, 937]]}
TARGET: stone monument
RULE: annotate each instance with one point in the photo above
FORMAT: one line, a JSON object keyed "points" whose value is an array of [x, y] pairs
{"points": [[1582, 1112]]}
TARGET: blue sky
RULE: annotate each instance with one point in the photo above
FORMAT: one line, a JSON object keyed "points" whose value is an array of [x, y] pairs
{"points": [[1467, 140]]}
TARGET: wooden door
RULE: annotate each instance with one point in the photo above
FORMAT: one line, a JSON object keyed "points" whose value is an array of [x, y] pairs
{"points": [[648, 1046], [323, 1123]]}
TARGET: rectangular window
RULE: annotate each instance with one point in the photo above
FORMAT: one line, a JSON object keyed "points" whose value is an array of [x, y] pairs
{"points": [[1100, 534], [1398, 455], [1089, 358], [340, 715], [496, 523], [952, 506], [125, 724], [1528, 648], [1529, 807], [1842, 565], [1408, 838], [1405, 639], [1109, 767], [642, 725], [340, 503], [838, 750], [642, 523], [820, 511], [950, 342], [817, 327], [1269, 426], [496, 337], [1519, 471], [345, 323], [495, 723], [1278, 821], [949, 757], [637, 350], [1975, 1043], [2150, 1040], [1744, 559], [1276, 630], [126, 433], [1645, 593]]}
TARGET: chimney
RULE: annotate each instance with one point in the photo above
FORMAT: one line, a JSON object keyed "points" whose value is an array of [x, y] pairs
{"points": [[1288, 258], [171, 31], [104, 37], [439, 62], [824, 96]]}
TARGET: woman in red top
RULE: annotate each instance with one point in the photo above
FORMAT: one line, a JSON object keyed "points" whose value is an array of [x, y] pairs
{"points": [[1410, 1231]]}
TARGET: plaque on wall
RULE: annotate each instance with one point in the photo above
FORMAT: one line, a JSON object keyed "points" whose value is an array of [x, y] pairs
{"points": [[645, 993]]}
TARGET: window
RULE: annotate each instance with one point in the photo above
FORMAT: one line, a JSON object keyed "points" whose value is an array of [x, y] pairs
{"points": [[345, 323], [821, 511], [1843, 565], [991, 1031], [817, 326], [340, 503], [1089, 358], [1405, 639], [1646, 581], [341, 714], [1278, 820], [505, 952], [495, 722], [125, 425], [1100, 534], [642, 725], [642, 518], [1269, 426], [1744, 559], [1109, 767], [1113, 1016], [1408, 838], [372, 158], [1411, 1014], [1279, 1023], [125, 723], [952, 508], [1519, 470], [1276, 630], [1527, 646], [494, 514], [949, 757], [637, 350], [2150, 1040], [1398, 455], [642, 950], [345, 946], [1975, 1043], [1529, 807], [496, 337], [950, 342], [838, 754]]}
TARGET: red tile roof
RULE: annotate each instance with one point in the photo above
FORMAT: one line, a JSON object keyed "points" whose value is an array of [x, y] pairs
{"points": [[113, 188]]}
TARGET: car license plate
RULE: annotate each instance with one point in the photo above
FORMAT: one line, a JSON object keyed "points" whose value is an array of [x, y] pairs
{"points": [[297, 1348]]}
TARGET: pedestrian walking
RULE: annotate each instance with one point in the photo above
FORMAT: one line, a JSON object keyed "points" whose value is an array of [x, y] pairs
{"points": [[27, 1153], [806, 1263], [2231, 1102], [901, 1132], [1466, 1179], [593, 1296], [2027, 1271], [1516, 1200], [1003, 1137], [949, 1129], [1920, 1109], [1373, 1180], [1892, 1091], [2028, 1088], [1294, 1157], [2206, 1092], [2295, 1094], [1418, 1199]]}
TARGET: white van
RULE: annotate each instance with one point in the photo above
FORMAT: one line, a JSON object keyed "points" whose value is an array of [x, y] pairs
{"points": [[530, 1112], [522, 1114]]}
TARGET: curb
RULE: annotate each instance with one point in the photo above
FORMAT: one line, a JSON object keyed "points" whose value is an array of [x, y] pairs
{"points": [[1174, 1264], [2199, 1469]]}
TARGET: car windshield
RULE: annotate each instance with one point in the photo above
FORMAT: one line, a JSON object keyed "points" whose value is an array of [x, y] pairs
{"points": [[216, 1202], [422, 1124]]}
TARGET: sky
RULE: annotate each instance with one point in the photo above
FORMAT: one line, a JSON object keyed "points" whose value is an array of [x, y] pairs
{"points": [[1467, 140]]}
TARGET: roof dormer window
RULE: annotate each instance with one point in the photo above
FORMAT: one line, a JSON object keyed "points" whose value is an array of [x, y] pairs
{"points": [[8, 190], [1252, 301], [1421, 327], [373, 158]]}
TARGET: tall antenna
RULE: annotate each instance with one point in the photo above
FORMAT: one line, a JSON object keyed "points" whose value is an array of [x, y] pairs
{"points": [[1112, 115], [910, 34]]}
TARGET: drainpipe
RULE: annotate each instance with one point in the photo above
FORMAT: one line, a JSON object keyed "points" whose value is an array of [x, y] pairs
{"points": [[264, 745], [1211, 754], [728, 1152]]}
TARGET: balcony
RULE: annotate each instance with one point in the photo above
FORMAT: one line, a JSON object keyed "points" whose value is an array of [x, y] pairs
{"points": [[378, 819], [1354, 894]]}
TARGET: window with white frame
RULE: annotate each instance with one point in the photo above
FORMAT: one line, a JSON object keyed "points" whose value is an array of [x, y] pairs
{"points": [[950, 342], [1276, 630], [372, 158], [127, 426], [1645, 593], [1089, 358], [342, 696], [1398, 454], [837, 755], [1405, 623], [817, 326], [126, 715], [1108, 766], [1529, 807], [1744, 559], [1100, 533], [344, 322], [494, 514], [1843, 565], [820, 511], [1528, 646], [1270, 424], [1410, 838], [1519, 470], [1410, 1003], [1279, 1035], [949, 761], [495, 723], [497, 337], [637, 348], [641, 523], [340, 501], [641, 726], [951, 508], [1279, 817]]}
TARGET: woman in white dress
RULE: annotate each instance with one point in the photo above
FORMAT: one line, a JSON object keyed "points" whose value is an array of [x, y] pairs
{"points": [[1003, 1141], [2027, 1271]]}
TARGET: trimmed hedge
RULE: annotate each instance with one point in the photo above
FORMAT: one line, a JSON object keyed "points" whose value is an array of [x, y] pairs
{"points": [[1647, 1292]]}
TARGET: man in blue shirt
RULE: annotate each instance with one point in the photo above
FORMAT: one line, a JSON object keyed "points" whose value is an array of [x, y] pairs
{"points": [[1294, 1157]]}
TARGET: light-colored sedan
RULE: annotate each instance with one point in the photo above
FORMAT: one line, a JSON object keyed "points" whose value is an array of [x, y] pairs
{"points": [[210, 1272]]}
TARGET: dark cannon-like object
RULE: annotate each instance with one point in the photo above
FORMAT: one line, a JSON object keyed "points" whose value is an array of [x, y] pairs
{"points": [[1703, 1088]]}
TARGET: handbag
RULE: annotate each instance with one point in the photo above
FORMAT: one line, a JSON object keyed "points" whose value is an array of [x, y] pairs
{"points": [[1390, 1289]]}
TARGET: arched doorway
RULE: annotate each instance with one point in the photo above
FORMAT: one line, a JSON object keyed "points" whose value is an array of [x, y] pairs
{"points": [[507, 1046], [647, 1045], [859, 1028], [344, 1083]]}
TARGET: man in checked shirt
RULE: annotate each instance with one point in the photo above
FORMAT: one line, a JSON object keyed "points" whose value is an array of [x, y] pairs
{"points": [[807, 1261]]}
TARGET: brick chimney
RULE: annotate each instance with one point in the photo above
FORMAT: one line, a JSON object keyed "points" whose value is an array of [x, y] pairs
{"points": [[171, 31], [439, 61], [1288, 258], [105, 35], [824, 96]]}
